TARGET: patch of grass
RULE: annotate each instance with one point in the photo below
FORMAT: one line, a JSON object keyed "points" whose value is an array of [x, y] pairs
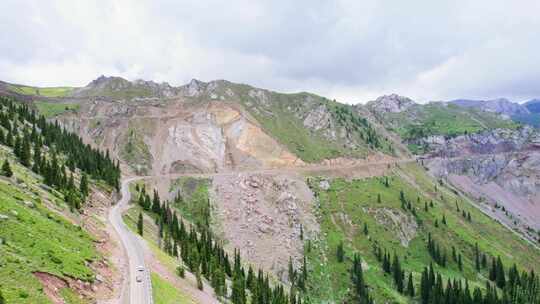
{"points": [[438, 119], [45, 92], [33, 238], [135, 151], [71, 297], [52, 109], [165, 293], [193, 200], [347, 205]]}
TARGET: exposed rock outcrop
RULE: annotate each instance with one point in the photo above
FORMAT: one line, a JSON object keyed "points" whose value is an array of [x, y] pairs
{"points": [[390, 103], [120, 88], [487, 142]]}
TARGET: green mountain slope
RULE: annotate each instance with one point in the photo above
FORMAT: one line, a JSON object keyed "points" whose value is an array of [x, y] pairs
{"points": [[35, 239], [352, 213], [50, 169], [440, 119], [40, 91]]}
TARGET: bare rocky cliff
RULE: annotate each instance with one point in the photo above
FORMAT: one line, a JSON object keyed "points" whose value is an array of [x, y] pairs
{"points": [[500, 168], [176, 137]]}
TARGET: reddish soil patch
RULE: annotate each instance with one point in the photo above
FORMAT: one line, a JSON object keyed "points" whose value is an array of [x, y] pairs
{"points": [[52, 286]]}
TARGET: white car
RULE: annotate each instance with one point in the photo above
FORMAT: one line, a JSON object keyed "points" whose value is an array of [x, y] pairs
{"points": [[140, 268], [139, 279]]}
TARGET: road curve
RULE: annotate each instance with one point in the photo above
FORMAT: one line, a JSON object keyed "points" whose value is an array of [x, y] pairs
{"points": [[133, 292]]}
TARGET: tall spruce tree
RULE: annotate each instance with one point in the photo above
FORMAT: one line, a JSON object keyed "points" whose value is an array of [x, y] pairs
{"points": [[6, 169], [140, 224], [84, 185], [410, 286], [340, 253], [397, 273]]}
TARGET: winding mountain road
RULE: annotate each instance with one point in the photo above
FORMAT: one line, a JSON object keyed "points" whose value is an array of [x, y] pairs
{"points": [[138, 288]]}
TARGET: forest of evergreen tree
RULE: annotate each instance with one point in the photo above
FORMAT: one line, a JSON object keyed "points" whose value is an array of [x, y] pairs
{"points": [[203, 255], [53, 152]]}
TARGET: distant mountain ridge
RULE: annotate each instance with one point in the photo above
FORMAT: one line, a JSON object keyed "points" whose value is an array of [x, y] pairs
{"points": [[499, 105], [533, 105]]}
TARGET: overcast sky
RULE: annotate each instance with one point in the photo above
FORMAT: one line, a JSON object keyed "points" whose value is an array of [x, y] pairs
{"points": [[353, 50]]}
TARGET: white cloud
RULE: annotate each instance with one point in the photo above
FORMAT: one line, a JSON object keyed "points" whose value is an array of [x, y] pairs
{"points": [[349, 50]]}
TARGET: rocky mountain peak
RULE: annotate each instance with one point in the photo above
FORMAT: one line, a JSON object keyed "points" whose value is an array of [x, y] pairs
{"points": [[120, 88], [392, 103], [194, 88]]}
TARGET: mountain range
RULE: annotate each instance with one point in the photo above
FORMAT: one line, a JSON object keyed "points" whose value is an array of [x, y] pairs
{"points": [[303, 188]]}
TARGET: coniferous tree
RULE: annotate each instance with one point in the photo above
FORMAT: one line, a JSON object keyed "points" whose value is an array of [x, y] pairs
{"points": [[500, 277], [291, 271], [140, 224], [6, 169], [84, 185], [200, 285], [156, 208], [410, 286], [238, 289], [366, 229], [402, 200], [25, 152], [476, 257], [397, 274], [180, 271], [340, 252], [358, 281]]}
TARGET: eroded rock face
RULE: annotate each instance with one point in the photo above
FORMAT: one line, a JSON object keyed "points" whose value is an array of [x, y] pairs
{"points": [[175, 137], [403, 225], [391, 104], [498, 167], [487, 142], [318, 119]]}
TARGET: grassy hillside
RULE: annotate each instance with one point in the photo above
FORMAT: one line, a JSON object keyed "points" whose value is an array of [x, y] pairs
{"points": [[165, 293], [439, 119], [45, 92], [192, 199], [51, 109], [347, 207], [33, 238]]}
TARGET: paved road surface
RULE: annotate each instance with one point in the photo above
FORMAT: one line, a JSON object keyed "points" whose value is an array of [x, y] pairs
{"points": [[136, 292]]}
